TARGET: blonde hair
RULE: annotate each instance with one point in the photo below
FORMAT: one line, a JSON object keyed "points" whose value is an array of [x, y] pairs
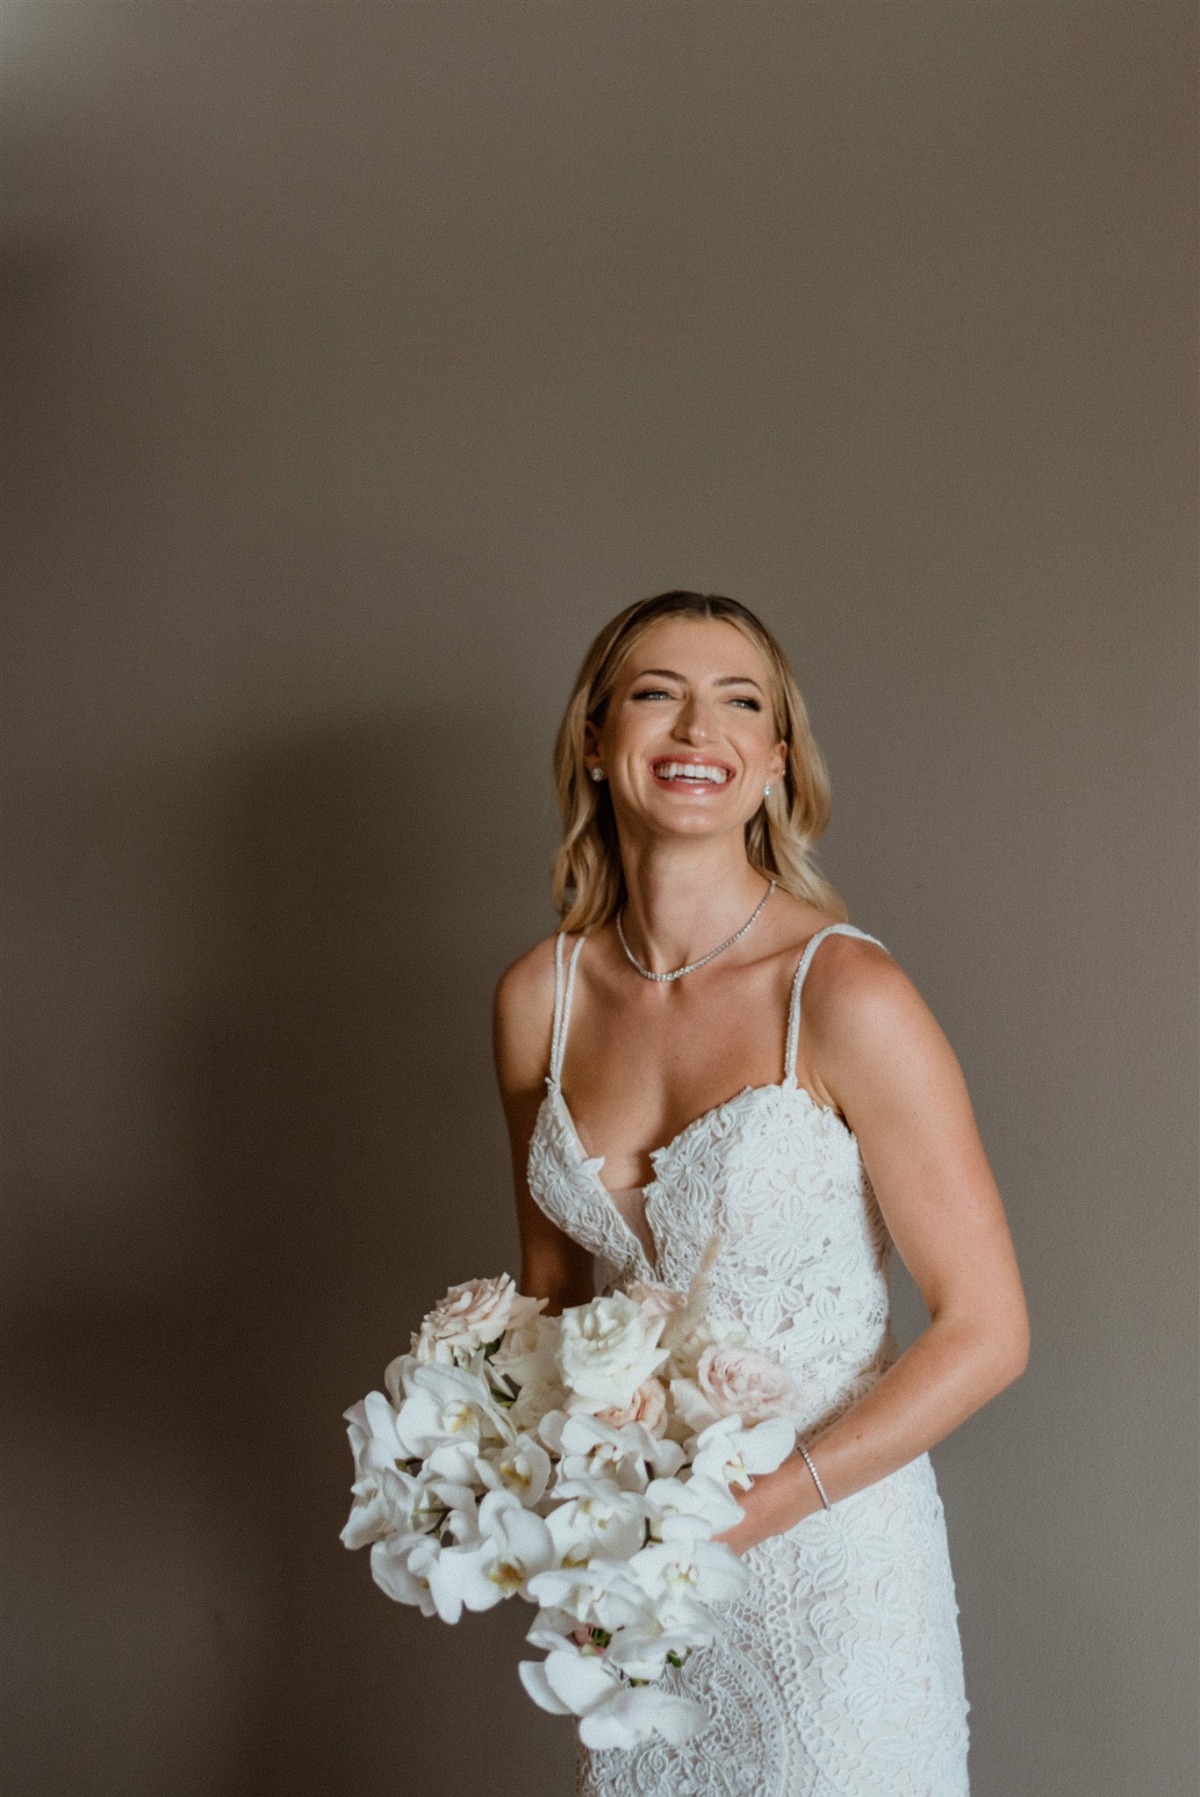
{"points": [[589, 886]]}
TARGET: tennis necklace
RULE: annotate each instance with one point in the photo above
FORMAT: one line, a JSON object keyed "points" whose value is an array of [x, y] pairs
{"points": [[678, 972]]}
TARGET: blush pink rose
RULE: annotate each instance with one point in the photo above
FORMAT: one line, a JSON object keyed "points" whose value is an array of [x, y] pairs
{"points": [[471, 1316], [742, 1382], [648, 1406]]}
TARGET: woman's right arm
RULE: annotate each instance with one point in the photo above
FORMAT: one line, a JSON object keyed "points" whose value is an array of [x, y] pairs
{"points": [[552, 1265]]}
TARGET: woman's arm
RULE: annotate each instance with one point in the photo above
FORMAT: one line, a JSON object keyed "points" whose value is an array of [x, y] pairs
{"points": [[881, 1054], [552, 1265]]}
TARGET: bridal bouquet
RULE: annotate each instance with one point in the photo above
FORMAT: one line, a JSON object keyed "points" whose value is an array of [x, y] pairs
{"points": [[582, 1462]]}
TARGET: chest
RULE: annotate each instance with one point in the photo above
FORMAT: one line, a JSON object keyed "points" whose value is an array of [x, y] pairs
{"points": [[636, 1076]]}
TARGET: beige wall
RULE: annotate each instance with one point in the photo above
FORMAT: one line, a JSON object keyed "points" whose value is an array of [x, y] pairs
{"points": [[363, 359]]}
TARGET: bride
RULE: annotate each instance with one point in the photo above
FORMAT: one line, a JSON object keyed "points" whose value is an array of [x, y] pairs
{"points": [[708, 1049]]}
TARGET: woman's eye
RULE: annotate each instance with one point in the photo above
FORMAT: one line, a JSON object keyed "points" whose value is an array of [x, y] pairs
{"points": [[754, 704], [651, 692]]}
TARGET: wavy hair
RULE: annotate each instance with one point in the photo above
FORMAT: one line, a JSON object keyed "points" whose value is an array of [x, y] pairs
{"points": [[589, 885]]}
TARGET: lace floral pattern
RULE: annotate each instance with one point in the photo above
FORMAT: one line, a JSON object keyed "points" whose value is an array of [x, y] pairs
{"points": [[841, 1671]]}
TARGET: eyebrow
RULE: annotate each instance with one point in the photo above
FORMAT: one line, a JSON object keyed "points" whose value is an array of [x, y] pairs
{"points": [[725, 679]]}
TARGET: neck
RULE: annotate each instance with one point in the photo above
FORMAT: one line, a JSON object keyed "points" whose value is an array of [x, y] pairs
{"points": [[684, 898]]}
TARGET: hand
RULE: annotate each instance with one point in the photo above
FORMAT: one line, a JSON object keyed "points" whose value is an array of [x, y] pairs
{"points": [[774, 1503]]}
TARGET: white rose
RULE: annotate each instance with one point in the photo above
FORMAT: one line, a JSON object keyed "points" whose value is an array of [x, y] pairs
{"points": [[606, 1350], [738, 1381], [470, 1317]]}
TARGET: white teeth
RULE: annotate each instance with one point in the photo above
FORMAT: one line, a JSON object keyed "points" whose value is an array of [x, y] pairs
{"points": [[688, 770]]}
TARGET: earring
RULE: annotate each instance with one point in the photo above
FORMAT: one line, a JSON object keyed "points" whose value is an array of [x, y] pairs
{"points": [[767, 790], [597, 774]]}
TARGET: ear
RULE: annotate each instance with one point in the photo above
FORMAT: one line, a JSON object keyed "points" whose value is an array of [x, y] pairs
{"points": [[777, 766], [591, 746]]}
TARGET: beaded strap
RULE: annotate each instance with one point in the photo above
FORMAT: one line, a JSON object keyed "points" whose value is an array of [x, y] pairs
{"points": [[563, 992]]}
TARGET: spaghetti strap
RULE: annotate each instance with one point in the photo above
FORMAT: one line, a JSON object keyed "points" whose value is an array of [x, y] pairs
{"points": [[564, 990], [810, 947]]}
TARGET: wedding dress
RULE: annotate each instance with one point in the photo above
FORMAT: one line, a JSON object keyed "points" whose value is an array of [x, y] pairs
{"points": [[840, 1674]]}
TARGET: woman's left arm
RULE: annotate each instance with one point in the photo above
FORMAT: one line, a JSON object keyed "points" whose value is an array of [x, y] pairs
{"points": [[882, 1056]]}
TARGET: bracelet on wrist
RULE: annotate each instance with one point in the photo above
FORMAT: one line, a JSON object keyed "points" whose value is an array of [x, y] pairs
{"points": [[816, 1477]]}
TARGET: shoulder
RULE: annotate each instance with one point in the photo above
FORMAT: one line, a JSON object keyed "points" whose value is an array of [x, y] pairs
{"points": [[523, 1016], [528, 980], [853, 986], [870, 1028]]}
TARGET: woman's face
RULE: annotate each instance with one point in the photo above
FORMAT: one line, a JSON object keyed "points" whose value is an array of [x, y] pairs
{"points": [[688, 740]]}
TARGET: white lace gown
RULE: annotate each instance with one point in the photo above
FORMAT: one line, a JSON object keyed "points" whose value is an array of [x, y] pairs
{"points": [[841, 1672]]}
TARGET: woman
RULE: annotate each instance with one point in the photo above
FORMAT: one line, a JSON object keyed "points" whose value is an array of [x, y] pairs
{"points": [[708, 1048]]}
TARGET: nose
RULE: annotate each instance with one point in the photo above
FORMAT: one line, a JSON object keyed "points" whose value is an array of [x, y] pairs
{"points": [[694, 723]]}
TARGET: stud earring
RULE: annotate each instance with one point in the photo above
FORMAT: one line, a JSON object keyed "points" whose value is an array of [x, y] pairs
{"points": [[767, 790], [597, 774]]}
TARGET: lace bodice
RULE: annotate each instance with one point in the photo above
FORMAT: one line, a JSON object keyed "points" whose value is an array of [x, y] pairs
{"points": [[777, 1177]]}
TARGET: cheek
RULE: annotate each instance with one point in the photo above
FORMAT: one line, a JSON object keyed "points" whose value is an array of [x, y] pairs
{"points": [[756, 739]]}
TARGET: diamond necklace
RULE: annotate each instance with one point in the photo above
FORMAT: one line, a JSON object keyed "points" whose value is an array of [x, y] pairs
{"points": [[691, 967]]}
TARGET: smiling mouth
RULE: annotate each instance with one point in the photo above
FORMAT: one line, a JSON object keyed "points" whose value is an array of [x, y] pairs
{"points": [[697, 774]]}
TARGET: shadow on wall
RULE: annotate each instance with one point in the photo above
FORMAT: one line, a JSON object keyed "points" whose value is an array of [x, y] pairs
{"points": [[323, 917]]}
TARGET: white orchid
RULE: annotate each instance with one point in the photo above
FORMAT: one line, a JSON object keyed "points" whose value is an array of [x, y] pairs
{"points": [[603, 1595], [645, 1650], [445, 1406], [699, 1506], [612, 1713], [388, 1498], [374, 1440], [736, 1456], [682, 1574], [511, 1546], [401, 1566], [394, 1502], [594, 1518], [636, 1714], [591, 1448], [522, 1466]]}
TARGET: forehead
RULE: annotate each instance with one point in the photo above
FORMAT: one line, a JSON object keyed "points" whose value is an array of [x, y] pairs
{"points": [[699, 648]]}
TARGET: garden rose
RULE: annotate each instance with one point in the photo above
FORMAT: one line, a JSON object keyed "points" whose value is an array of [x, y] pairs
{"points": [[647, 1406], [606, 1350], [470, 1317], [735, 1381]]}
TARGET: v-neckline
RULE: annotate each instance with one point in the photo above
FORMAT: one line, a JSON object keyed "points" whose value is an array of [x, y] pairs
{"points": [[590, 1164]]}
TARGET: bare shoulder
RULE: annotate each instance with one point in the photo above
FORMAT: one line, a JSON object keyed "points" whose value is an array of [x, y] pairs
{"points": [[523, 1012], [850, 976], [871, 1031], [857, 994]]}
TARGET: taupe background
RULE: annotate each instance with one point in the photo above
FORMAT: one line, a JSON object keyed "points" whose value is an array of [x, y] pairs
{"points": [[363, 359]]}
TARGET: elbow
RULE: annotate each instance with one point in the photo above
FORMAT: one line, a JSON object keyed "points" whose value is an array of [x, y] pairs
{"points": [[1009, 1350], [1013, 1366], [994, 1349]]}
